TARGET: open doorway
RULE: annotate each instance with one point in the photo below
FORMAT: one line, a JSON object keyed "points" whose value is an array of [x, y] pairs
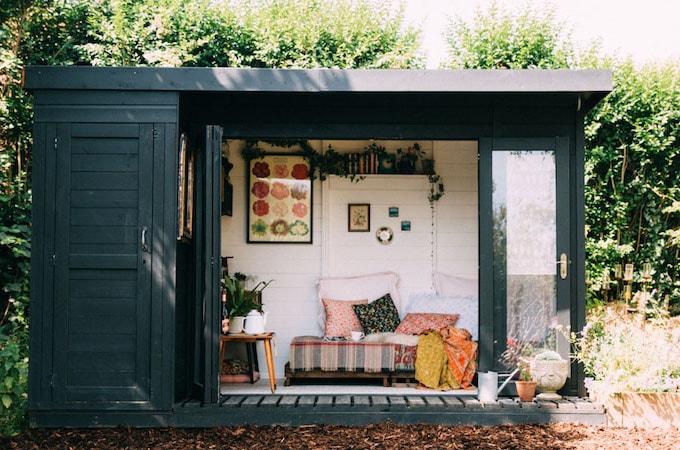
{"points": [[427, 237]]}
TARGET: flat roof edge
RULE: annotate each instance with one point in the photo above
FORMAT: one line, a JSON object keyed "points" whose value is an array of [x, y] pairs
{"points": [[209, 79]]}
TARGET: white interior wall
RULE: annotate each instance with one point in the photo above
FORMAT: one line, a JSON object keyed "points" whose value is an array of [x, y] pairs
{"points": [[448, 244]]}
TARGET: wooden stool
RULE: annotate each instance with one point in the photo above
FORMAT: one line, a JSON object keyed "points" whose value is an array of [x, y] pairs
{"points": [[250, 340]]}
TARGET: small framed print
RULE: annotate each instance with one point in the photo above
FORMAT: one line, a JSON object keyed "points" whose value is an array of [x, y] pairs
{"points": [[405, 225], [358, 217], [393, 211]]}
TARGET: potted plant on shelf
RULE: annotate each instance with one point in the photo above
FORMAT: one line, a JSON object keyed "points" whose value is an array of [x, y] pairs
{"points": [[526, 386], [238, 300], [408, 158]]}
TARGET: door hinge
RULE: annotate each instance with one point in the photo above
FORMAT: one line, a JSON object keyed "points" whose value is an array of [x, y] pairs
{"points": [[212, 260], [155, 133], [56, 143], [54, 260]]}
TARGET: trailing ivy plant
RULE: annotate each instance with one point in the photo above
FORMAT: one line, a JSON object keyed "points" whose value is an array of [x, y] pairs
{"points": [[331, 162]]}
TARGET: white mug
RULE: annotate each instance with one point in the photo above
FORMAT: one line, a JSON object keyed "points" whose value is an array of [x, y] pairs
{"points": [[357, 336]]}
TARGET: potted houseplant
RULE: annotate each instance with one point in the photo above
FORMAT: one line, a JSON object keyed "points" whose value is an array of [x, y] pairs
{"points": [[238, 300], [408, 158], [526, 386]]}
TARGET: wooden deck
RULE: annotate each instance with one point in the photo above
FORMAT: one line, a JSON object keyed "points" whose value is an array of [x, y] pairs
{"points": [[293, 410]]}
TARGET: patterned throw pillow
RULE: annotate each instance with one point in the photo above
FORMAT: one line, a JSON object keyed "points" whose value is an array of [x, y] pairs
{"points": [[418, 323], [340, 317], [379, 316]]}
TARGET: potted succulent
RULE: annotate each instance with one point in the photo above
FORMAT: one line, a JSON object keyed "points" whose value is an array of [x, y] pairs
{"points": [[526, 386], [238, 300]]}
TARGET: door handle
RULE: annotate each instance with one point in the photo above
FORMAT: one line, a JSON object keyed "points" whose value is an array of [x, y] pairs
{"points": [[563, 262], [145, 248]]}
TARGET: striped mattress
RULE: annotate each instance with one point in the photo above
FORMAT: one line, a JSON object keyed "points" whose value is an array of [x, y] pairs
{"points": [[308, 353]]}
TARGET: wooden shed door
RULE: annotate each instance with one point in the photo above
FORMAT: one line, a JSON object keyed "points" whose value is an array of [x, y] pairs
{"points": [[102, 259]]}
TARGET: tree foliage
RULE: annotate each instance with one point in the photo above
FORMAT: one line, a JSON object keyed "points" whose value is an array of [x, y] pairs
{"points": [[499, 38], [632, 177], [631, 192]]}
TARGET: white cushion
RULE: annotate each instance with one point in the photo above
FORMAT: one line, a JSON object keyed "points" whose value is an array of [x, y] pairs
{"points": [[370, 287], [454, 286]]}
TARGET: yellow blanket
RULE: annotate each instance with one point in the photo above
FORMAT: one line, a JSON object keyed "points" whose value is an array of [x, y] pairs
{"points": [[445, 359]]}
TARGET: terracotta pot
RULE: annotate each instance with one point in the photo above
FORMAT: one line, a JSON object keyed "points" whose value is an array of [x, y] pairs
{"points": [[525, 390]]}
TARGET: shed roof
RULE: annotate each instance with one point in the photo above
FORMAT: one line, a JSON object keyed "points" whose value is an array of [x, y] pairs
{"points": [[590, 85]]}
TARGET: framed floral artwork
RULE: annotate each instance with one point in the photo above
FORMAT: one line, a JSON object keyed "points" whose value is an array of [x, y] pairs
{"points": [[359, 217], [280, 200]]}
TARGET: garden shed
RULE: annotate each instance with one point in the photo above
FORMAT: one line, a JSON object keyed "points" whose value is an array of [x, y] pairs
{"points": [[128, 244]]}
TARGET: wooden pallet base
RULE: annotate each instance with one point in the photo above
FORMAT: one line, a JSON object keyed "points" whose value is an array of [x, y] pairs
{"points": [[388, 378]]}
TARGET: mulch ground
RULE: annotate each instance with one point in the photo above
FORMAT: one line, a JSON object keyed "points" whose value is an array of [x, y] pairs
{"points": [[379, 436]]}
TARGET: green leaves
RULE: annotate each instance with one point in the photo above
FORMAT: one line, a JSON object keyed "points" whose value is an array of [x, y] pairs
{"points": [[499, 38], [631, 173]]}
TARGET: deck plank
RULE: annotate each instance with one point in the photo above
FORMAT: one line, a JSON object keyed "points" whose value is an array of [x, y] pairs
{"points": [[380, 400], [270, 400], [453, 402], [288, 400], [343, 400]]}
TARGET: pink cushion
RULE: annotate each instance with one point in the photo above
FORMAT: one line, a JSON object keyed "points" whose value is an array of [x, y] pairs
{"points": [[418, 323], [340, 317]]}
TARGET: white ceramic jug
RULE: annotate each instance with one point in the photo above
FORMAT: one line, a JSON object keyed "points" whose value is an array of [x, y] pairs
{"points": [[255, 322]]}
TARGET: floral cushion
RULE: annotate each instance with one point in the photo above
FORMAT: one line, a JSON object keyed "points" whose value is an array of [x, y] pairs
{"points": [[379, 316], [418, 323], [340, 317]]}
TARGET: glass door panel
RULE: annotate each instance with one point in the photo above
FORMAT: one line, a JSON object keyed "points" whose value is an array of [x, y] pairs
{"points": [[524, 219]]}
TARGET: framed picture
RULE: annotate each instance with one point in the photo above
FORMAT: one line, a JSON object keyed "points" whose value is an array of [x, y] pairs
{"points": [[279, 200], [185, 190], [358, 217], [393, 211]]}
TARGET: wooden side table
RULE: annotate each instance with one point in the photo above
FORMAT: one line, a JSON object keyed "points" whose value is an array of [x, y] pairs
{"points": [[251, 339]]}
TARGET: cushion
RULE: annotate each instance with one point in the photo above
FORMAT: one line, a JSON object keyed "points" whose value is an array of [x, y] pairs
{"points": [[466, 307], [356, 288], [380, 316], [418, 323], [340, 317], [453, 286]]}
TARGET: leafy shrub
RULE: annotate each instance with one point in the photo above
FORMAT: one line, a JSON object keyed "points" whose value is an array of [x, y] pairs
{"points": [[13, 386], [615, 348]]}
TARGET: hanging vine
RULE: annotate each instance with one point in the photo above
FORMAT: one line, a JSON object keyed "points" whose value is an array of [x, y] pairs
{"points": [[331, 162]]}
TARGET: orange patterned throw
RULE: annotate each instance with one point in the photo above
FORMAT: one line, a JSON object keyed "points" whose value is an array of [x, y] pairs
{"points": [[462, 354], [446, 359]]}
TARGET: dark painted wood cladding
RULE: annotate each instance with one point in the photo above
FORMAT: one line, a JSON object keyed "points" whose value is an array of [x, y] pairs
{"points": [[103, 171]]}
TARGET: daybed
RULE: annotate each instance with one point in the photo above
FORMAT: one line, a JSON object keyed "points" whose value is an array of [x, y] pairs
{"points": [[372, 304]]}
